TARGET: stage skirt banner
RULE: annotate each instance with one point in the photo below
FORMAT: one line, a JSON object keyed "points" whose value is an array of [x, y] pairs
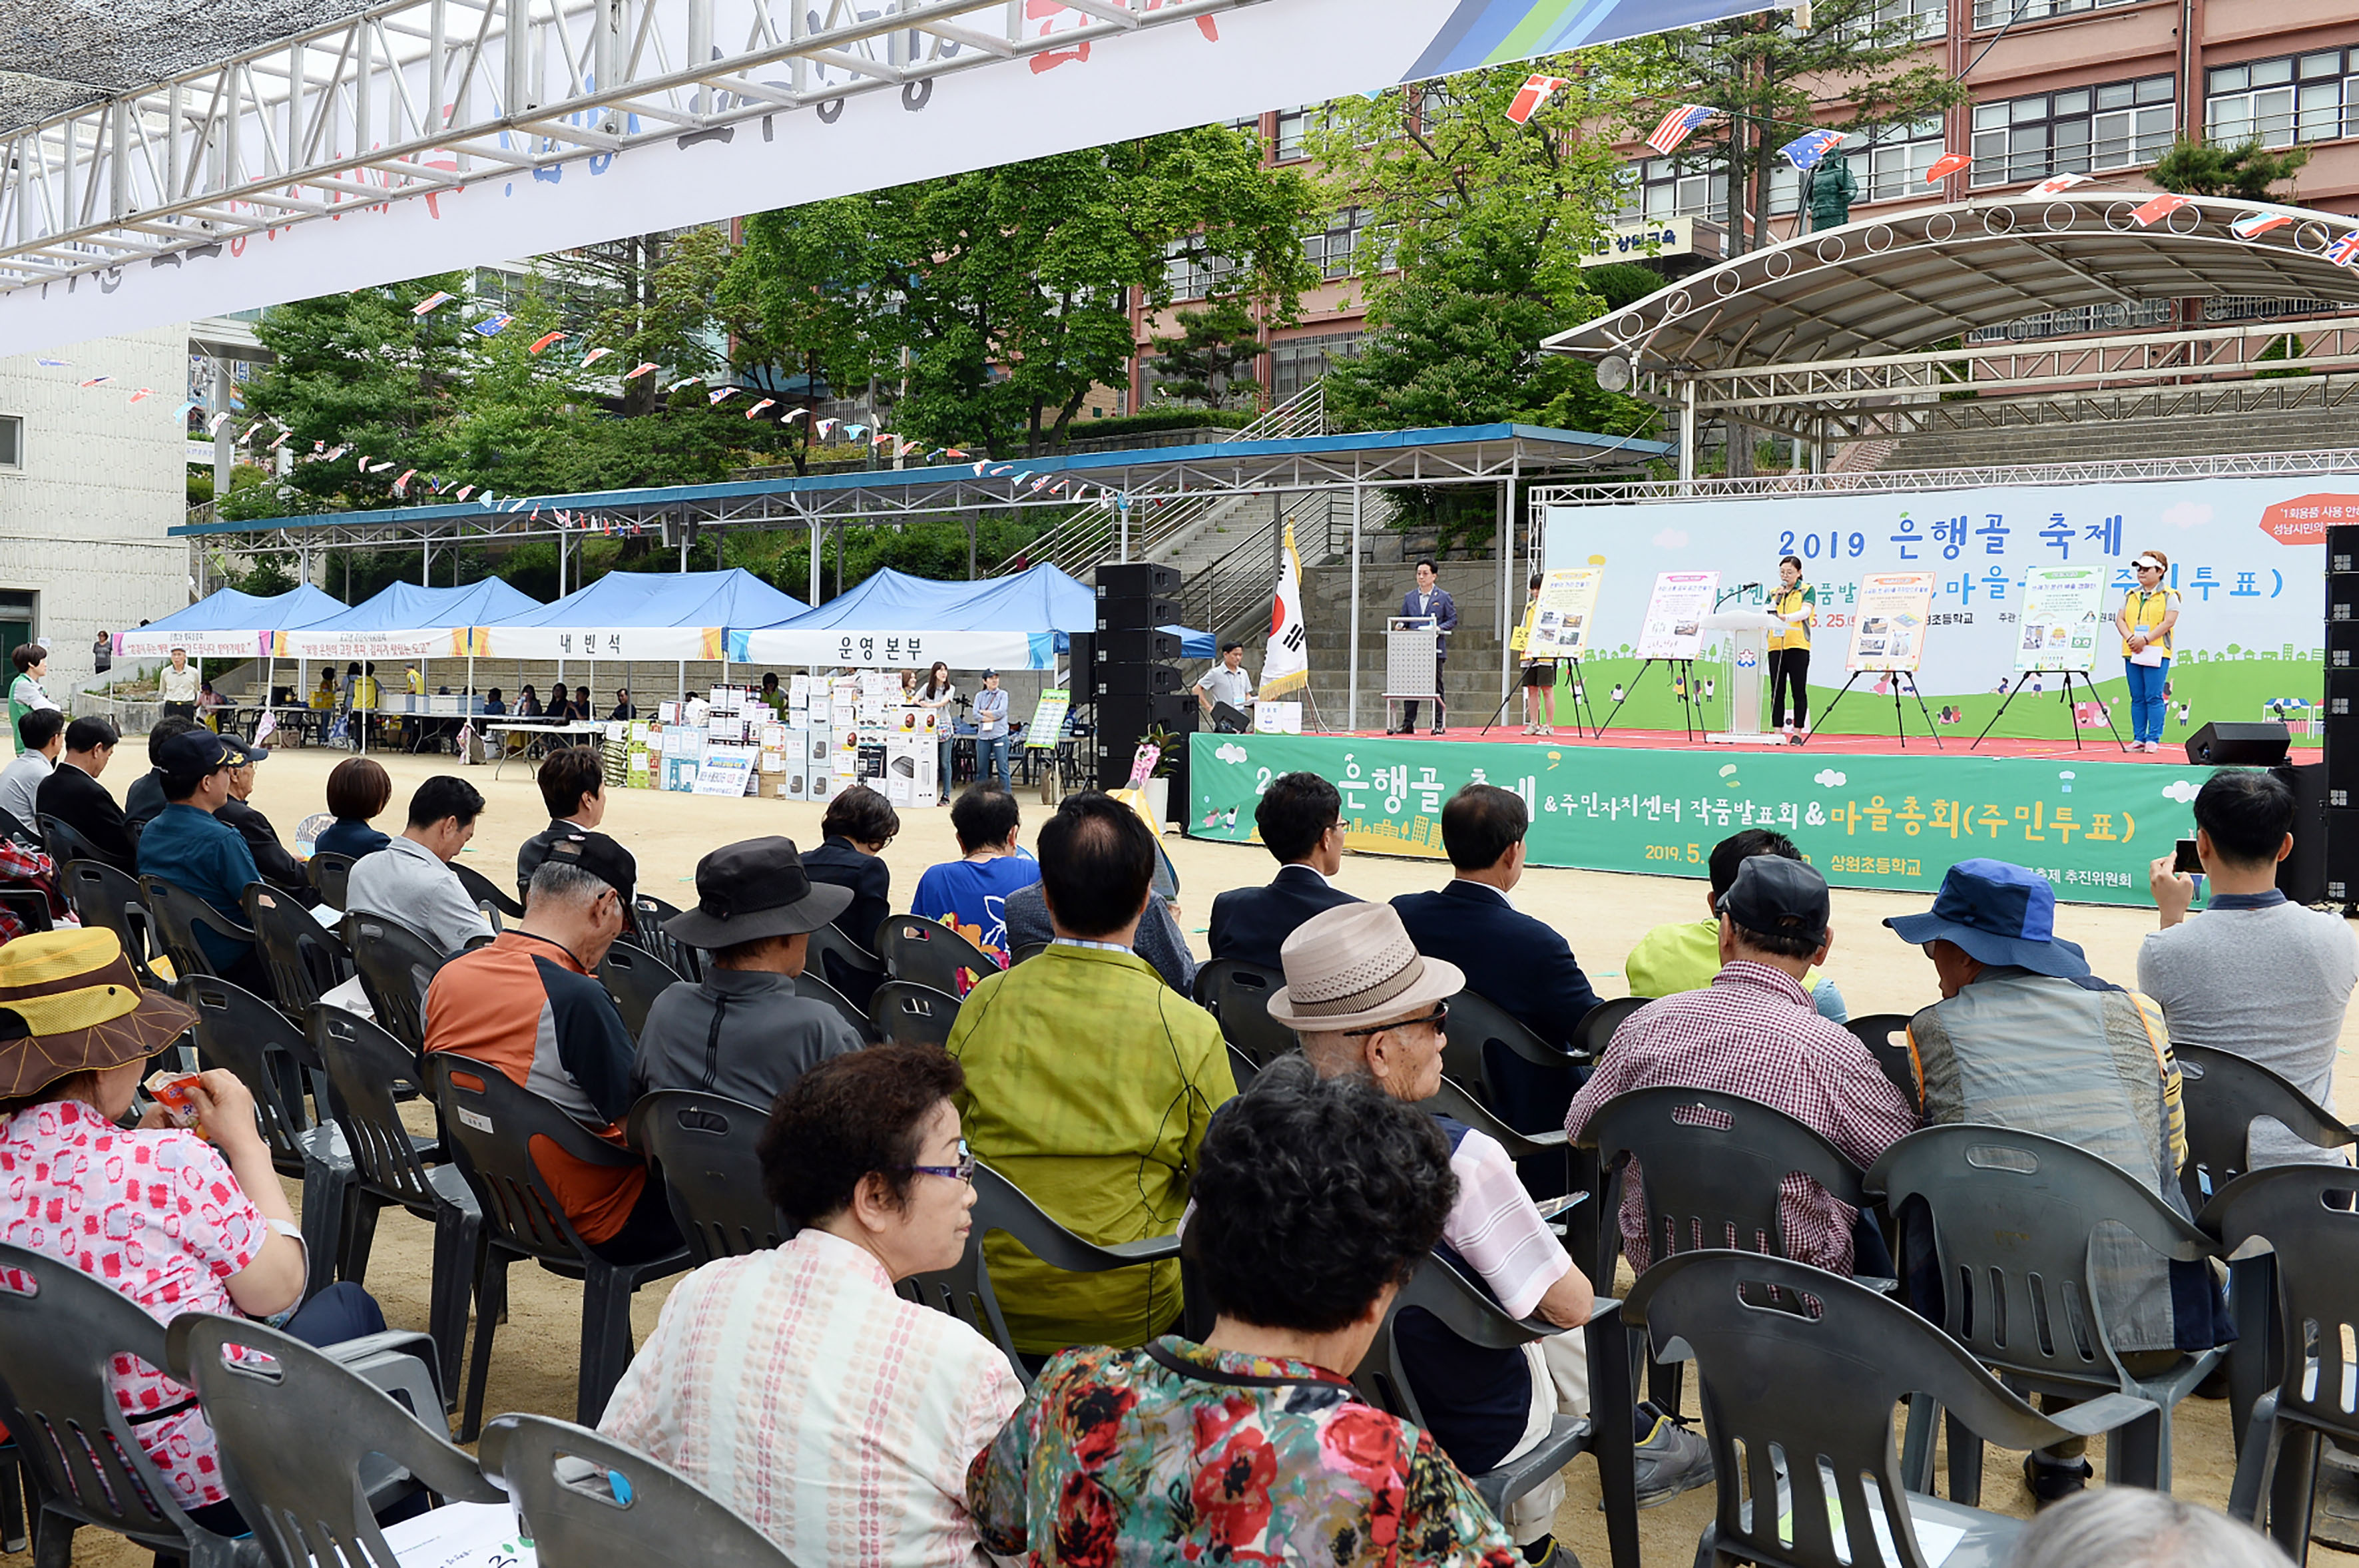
{"points": [[2247, 556], [1568, 604], [1892, 821], [2063, 615], [1893, 609], [1673, 626]]}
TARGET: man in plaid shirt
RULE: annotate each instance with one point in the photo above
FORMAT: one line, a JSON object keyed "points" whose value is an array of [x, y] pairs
{"points": [[1754, 1032]]}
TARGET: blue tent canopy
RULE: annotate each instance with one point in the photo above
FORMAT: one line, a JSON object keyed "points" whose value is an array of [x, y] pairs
{"points": [[405, 621], [1018, 623], [641, 615], [230, 625]]}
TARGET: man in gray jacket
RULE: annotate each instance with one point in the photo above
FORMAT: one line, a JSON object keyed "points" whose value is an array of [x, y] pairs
{"points": [[744, 1032]]}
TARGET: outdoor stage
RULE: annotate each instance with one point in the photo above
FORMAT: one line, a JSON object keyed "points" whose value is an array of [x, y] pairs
{"points": [[1867, 813]]}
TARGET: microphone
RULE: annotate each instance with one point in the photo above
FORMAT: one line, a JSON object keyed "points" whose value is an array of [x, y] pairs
{"points": [[1742, 586]]}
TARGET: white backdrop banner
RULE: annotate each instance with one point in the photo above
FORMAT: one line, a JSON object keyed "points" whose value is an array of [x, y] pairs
{"points": [[1228, 64]]}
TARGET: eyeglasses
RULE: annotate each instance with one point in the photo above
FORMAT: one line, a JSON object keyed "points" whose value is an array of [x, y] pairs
{"points": [[963, 1171], [1439, 1017]]}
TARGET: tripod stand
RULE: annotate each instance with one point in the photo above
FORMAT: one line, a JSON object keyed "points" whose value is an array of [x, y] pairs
{"points": [[2067, 699], [1686, 688], [1899, 727]]}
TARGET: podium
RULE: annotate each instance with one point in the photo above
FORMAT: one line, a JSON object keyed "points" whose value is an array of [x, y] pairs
{"points": [[1412, 664], [1747, 674]]}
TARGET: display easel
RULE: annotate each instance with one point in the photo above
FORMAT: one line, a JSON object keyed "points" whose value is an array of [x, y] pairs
{"points": [[1686, 692], [1899, 725], [2090, 685]]}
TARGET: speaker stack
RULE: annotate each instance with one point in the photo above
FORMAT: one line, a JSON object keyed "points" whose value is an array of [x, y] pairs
{"points": [[1134, 667], [2341, 809]]}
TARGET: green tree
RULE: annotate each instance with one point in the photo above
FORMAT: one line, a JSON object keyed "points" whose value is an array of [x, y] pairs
{"points": [[1211, 357], [2195, 168]]}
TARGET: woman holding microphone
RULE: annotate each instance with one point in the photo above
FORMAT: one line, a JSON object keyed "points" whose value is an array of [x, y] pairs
{"points": [[2148, 611], [1796, 603]]}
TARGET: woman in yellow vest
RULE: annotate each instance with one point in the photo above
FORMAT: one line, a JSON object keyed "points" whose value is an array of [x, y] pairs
{"points": [[1797, 603], [2147, 614]]}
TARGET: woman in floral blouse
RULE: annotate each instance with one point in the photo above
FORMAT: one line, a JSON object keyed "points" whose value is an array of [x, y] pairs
{"points": [[1314, 1201]]}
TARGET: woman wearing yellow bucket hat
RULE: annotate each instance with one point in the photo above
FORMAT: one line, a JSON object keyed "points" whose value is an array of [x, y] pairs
{"points": [[179, 1220]]}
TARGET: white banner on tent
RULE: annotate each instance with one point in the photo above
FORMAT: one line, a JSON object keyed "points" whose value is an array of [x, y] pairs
{"points": [[445, 642], [142, 644], [599, 642], [894, 650], [1229, 63]]}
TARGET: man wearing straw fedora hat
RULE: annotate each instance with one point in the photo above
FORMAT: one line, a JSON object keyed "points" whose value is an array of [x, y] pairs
{"points": [[1367, 1004], [206, 1228]]}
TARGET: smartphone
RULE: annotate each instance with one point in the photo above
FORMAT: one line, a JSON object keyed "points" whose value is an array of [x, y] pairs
{"points": [[2187, 860]]}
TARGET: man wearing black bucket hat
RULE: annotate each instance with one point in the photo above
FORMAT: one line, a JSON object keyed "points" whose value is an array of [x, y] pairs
{"points": [[744, 1031]]}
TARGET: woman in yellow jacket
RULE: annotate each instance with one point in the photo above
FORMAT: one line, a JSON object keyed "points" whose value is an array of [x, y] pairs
{"points": [[2148, 611], [1797, 603]]}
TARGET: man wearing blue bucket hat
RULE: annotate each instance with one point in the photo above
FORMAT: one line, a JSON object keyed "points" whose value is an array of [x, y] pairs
{"points": [[2025, 1037]]}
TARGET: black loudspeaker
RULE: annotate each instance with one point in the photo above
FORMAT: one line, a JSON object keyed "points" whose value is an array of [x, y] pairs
{"points": [[1132, 714], [2341, 598], [2341, 855], [1136, 579], [2301, 876], [1134, 647], [1117, 746], [1080, 655], [1135, 679], [2342, 547], [1137, 612], [2221, 745]]}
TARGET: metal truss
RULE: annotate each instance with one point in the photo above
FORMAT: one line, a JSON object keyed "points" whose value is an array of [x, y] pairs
{"points": [[418, 97]]}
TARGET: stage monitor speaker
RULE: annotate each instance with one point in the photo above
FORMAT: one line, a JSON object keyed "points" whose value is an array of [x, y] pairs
{"points": [[1132, 646], [1136, 579], [2301, 876], [1135, 679], [2225, 745], [1137, 612]]}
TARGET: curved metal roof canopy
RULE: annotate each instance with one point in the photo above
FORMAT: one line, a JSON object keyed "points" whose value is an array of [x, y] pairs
{"points": [[1856, 331]]}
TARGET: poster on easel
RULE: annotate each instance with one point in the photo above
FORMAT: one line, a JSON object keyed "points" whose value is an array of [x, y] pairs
{"points": [[1673, 628], [1047, 720], [2061, 620], [1889, 628], [1567, 603]]}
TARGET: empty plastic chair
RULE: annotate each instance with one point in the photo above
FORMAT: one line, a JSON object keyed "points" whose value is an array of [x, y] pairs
{"points": [[304, 959], [589, 1503]]}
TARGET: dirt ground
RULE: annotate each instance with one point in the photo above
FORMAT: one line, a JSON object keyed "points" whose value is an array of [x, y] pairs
{"points": [[1601, 914]]}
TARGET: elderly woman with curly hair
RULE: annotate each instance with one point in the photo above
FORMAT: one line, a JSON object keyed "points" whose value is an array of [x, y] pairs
{"points": [[1315, 1200]]}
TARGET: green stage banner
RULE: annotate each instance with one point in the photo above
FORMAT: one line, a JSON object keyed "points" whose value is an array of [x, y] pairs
{"points": [[1866, 821]]}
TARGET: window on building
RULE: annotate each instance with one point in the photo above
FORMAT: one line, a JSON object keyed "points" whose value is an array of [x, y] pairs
{"points": [[1296, 362], [1331, 249], [1670, 187], [1190, 274], [1292, 124], [2294, 98], [2116, 126], [1999, 13], [1931, 19], [11, 442]]}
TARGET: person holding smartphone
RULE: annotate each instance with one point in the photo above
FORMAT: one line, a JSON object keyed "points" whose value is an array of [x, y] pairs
{"points": [[2149, 613]]}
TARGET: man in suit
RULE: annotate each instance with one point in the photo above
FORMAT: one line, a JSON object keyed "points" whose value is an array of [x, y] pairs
{"points": [[1430, 600], [1520, 963], [73, 794], [1300, 822]]}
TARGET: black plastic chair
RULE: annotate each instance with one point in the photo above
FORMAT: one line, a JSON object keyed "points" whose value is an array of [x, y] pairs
{"points": [[312, 1447], [61, 843], [486, 895], [22, 832], [1522, 1078], [2305, 1213], [1792, 1397], [1465, 1309], [492, 1126], [30, 905], [1885, 1035], [930, 953], [179, 916], [395, 966], [330, 873], [2222, 1094], [649, 914], [1597, 1025], [1545, 1150], [1029, 950], [1237, 996], [238, 1031], [906, 1013], [304, 959], [2014, 1220], [634, 979], [1243, 1068], [702, 1148], [103, 896], [964, 1288], [60, 1333], [845, 963], [625, 1509], [366, 1069], [809, 985]]}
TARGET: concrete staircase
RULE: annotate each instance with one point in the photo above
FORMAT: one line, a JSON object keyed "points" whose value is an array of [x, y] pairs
{"points": [[1471, 678]]}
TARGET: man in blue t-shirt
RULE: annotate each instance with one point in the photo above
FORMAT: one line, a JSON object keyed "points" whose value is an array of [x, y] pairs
{"points": [[970, 895], [187, 847]]}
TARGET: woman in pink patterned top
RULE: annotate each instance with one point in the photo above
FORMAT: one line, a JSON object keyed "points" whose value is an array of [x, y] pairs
{"points": [[179, 1220], [793, 1384]]}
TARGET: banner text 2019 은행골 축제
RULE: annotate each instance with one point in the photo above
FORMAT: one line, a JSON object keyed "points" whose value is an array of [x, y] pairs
{"points": [[1897, 821]]}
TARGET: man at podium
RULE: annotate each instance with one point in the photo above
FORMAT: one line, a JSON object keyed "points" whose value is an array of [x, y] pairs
{"points": [[1429, 601], [1796, 603]]}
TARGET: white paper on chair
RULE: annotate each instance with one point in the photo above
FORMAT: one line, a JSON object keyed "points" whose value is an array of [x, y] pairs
{"points": [[461, 1535], [1935, 1540]]}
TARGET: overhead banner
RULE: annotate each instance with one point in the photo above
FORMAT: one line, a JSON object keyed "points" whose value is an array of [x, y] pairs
{"points": [[895, 650], [1889, 822], [2246, 554], [1894, 608], [423, 643], [1673, 626], [1220, 65], [1561, 621]]}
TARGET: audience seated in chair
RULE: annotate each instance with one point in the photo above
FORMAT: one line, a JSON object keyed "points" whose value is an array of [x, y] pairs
{"points": [[1370, 1008], [860, 823], [1509, 958], [1752, 1032], [1314, 1203], [279, 868], [1684, 956], [358, 789], [742, 1031], [203, 857], [970, 895], [768, 1381], [2258, 974], [73, 794], [2130, 1526], [529, 1005], [1089, 1083], [410, 881], [1159, 939], [574, 787], [40, 736], [2025, 1037], [144, 801], [1300, 818], [206, 1228]]}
